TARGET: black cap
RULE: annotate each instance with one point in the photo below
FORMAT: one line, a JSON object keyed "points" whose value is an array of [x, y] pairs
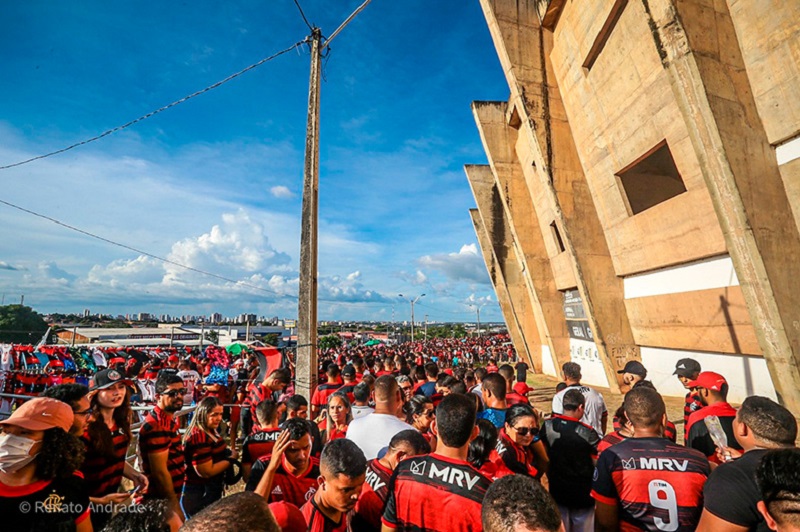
{"points": [[349, 371], [635, 367], [108, 377], [687, 367]]}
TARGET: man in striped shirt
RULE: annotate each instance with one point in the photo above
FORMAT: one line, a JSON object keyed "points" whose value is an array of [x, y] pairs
{"points": [[160, 447], [687, 370]]}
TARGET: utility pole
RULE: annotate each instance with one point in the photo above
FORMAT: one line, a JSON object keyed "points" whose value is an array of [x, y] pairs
{"points": [[426, 327], [306, 376], [202, 331], [412, 301]]}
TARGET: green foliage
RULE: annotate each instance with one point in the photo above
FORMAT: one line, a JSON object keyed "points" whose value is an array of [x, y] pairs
{"points": [[212, 336], [332, 341], [270, 339], [21, 324]]}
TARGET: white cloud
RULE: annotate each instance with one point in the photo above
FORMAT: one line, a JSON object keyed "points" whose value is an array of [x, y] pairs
{"points": [[466, 265], [280, 191]]}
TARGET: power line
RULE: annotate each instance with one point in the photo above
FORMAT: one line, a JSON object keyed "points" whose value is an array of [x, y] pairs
{"points": [[345, 23], [303, 15], [159, 110], [141, 252]]}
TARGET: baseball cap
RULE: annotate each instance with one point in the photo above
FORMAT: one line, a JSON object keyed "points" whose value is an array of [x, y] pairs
{"points": [[107, 377], [635, 367], [173, 358], [288, 516], [522, 388], [42, 413], [349, 371], [708, 380], [686, 367]]}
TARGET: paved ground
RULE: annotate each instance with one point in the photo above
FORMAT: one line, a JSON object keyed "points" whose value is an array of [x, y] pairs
{"points": [[545, 388]]}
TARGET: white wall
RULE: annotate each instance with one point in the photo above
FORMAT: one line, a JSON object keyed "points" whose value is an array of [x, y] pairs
{"points": [[548, 368], [746, 375], [716, 272], [585, 354]]}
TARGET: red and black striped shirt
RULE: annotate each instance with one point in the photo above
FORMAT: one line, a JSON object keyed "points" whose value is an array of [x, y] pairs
{"points": [[201, 448], [103, 472], [372, 500], [691, 404], [319, 522], [159, 433], [656, 484], [436, 494], [321, 394], [612, 438], [259, 444]]}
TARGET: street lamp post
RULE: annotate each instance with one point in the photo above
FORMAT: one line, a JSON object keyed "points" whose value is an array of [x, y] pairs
{"points": [[478, 311], [412, 301]]}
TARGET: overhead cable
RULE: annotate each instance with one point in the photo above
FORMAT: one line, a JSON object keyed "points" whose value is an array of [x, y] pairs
{"points": [[159, 110]]}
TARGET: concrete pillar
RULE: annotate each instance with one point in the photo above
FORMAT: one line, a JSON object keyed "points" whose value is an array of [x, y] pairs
{"points": [[499, 284], [499, 140], [492, 215], [741, 171]]}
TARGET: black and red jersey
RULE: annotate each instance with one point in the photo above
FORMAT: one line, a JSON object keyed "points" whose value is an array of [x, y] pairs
{"points": [[103, 472], [319, 522], [160, 433], [515, 457], [372, 500], [259, 444], [514, 398], [323, 391], [201, 448], [571, 447], [691, 404], [295, 489], [437, 494], [696, 431], [347, 389], [612, 438], [656, 484]]}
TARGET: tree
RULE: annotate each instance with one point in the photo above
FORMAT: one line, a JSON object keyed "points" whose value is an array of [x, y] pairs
{"points": [[212, 336], [270, 339], [332, 341], [20, 324]]}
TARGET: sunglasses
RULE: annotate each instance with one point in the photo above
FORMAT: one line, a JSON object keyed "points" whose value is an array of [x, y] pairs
{"points": [[175, 393], [84, 413], [524, 431], [429, 413]]}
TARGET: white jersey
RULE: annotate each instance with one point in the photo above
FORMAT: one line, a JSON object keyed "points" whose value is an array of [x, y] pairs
{"points": [[593, 411], [190, 379], [374, 431]]}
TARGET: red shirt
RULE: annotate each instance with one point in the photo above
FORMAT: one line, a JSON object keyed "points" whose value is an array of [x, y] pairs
{"points": [[160, 433], [321, 394], [612, 438], [436, 494], [369, 508], [200, 449], [513, 398], [656, 484], [516, 458], [103, 473], [295, 489], [319, 522]]}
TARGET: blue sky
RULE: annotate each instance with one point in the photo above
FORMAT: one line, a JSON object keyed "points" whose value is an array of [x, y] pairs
{"points": [[215, 183]]}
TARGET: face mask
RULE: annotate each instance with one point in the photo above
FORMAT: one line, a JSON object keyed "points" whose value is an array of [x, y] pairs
{"points": [[14, 452]]}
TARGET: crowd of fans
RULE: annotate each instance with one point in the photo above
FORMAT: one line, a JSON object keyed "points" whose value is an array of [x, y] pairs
{"points": [[438, 435]]}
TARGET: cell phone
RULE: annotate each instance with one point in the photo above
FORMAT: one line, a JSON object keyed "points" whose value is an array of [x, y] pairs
{"points": [[134, 490]]}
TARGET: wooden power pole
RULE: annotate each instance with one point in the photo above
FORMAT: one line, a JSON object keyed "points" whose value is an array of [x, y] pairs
{"points": [[306, 363]]}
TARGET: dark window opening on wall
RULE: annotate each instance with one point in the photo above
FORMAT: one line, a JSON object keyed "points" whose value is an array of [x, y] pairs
{"points": [[557, 237], [651, 180]]}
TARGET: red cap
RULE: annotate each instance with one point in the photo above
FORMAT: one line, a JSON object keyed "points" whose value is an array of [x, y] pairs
{"points": [[288, 516], [173, 358], [708, 380], [522, 388], [41, 413]]}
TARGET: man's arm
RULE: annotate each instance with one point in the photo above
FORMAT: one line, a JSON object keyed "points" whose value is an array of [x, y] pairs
{"points": [[711, 523], [264, 486], [161, 485], [606, 517]]}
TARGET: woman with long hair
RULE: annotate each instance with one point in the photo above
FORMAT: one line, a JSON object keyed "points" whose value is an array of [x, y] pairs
{"points": [[206, 455], [336, 418], [107, 437], [40, 488], [518, 444], [419, 414], [482, 452]]}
